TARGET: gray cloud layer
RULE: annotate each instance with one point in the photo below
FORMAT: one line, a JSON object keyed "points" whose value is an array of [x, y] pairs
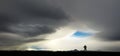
{"points": [[102, 15], [21, 19]]}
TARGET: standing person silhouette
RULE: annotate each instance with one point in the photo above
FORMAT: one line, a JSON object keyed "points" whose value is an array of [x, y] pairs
{"points": [[85, 48]]}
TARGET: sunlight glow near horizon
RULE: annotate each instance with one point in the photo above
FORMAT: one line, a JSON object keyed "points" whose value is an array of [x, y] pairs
{"points": [[69, 39], [75, 39]]}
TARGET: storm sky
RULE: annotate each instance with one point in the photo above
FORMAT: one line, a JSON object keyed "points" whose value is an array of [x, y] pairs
{"points": [[24, 21], [101, 15]]}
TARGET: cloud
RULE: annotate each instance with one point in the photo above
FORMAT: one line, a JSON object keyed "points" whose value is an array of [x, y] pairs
{"points": [[8, 39], [101, 15], [22, 20]]}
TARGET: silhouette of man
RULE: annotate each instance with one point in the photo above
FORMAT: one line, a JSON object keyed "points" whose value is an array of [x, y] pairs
{"points": [[85, 48]]}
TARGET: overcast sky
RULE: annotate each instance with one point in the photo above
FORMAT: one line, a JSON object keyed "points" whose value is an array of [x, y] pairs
{"points": [[28, 21], [99, 15]]}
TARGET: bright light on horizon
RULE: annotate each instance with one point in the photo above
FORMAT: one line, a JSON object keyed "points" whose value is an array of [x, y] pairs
{"points": [[70, 42], [69, 39]]}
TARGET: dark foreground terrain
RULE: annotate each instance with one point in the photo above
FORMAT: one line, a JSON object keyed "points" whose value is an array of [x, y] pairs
{"points": [[61, 53]]}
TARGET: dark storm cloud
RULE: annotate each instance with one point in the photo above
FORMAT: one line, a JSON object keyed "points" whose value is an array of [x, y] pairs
{"points": [[101, 15], [28, 18], [43, 11], [8, 39]]}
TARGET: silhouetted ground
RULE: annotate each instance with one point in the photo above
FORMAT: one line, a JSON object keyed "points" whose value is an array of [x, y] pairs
{"points": [[61, 53]]}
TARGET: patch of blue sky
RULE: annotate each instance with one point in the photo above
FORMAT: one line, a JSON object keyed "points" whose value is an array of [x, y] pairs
{"points": [[36, 48], [80, 34]]}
